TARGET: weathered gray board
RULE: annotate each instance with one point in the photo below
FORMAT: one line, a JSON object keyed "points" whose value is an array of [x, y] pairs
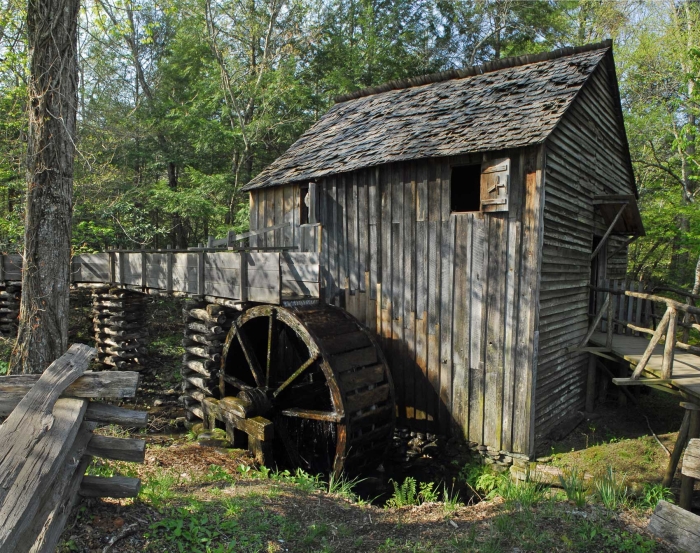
{"points": [[270, 276]]}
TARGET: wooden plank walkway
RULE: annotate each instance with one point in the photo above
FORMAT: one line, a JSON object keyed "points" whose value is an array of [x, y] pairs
{"points": [[686, 366]]}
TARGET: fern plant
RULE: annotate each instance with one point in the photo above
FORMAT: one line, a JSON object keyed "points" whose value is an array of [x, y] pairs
{"points": [[405, 494]]}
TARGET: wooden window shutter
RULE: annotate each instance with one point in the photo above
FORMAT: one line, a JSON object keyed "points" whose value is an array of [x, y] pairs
{"points": [[495, 184]]}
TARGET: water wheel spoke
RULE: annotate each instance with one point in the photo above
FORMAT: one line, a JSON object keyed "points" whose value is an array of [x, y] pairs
{"points": [[250, 356], [271, 345], [310, 361], [233, 381], [328, 416]]}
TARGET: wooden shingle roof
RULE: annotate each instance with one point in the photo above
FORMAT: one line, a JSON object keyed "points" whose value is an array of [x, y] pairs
{"points": [[510, 103]]}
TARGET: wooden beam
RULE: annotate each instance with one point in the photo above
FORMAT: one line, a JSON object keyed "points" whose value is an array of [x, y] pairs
{"points": [[667, 360], [594, 324], [116, 487], [652, 344], [676, 526], [604, 239], [677, 450], [117, 449], [111, 414]]}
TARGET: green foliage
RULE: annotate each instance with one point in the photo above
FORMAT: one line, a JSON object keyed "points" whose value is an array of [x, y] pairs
{"points": [[342, 486], [412, 493], [574, 484], [480, 478], [405, 494], [450, 500], [652, 494], [520, 494], [611, 491]]}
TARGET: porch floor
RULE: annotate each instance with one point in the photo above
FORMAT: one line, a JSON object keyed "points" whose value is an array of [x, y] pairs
{"points": [[686, 366]]}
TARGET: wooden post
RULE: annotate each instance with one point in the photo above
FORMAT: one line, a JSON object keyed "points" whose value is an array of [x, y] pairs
{"points": [[200, 272], [677, 450], [687, 482], [611, 315], [168, 271], [122, 268], [590, 384], [2, 268], [112, 267], [210, 241], [144, 270], [667, 363], [244, 276], [652, 344]]}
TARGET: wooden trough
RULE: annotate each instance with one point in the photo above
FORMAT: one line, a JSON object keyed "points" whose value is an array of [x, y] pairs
{"points": [[47, 443]]}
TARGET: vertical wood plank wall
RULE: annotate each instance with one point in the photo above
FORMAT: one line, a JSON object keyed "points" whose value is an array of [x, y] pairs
{"points": [[452, 297], [584, 158]]}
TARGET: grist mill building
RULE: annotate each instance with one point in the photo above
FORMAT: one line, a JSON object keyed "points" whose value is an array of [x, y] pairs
{"points": [[455, 215]]}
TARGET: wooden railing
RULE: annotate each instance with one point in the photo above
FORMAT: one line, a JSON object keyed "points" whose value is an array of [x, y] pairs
{"points": [[627, 311], [47, 443]]}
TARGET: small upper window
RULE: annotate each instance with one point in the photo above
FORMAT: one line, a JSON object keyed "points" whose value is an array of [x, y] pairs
{"points": [[465, 188]]}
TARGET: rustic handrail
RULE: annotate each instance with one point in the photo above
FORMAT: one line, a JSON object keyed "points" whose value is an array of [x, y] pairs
{"points": [[665, 329]]}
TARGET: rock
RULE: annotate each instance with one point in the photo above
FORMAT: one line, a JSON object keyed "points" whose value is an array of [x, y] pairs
{"points": [[431, 449], [158, 403]]}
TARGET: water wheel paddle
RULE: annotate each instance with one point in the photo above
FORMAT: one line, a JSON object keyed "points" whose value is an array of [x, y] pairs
{"points": [[319, 377]]}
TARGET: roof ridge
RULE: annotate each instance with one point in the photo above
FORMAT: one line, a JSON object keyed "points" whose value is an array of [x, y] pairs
{"points": [[470, 71]]}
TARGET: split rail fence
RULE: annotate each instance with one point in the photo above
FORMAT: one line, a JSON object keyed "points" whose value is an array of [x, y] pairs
{"points": [[47, 443]]}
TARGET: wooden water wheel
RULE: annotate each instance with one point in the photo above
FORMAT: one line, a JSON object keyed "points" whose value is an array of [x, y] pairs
{"points": [[309, 386]]}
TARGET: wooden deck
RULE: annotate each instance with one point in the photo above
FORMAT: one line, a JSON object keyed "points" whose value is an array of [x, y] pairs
{"points": [[686, 366]]}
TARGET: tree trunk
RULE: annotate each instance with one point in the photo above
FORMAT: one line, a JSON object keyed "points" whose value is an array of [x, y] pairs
{"points": [[43, 325]]}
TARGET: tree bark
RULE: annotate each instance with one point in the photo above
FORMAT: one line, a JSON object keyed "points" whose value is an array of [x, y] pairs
{"points": [[43, 325]]}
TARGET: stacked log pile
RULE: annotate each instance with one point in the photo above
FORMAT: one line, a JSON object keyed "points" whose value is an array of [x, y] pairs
{"points": [[206, 326], [47, 442], [120, 327], [9, 309]]}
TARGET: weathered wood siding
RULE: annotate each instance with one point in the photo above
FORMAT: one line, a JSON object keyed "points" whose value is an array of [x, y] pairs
{"points": [[275, 206], [451, 296], [585, 157]]}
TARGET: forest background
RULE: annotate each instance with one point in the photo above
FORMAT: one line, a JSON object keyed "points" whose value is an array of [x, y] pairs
{"points": [[181, 102]]}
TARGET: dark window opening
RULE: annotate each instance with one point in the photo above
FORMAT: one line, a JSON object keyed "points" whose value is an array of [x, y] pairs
{"points": [[465, 188], [304, 204]]}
